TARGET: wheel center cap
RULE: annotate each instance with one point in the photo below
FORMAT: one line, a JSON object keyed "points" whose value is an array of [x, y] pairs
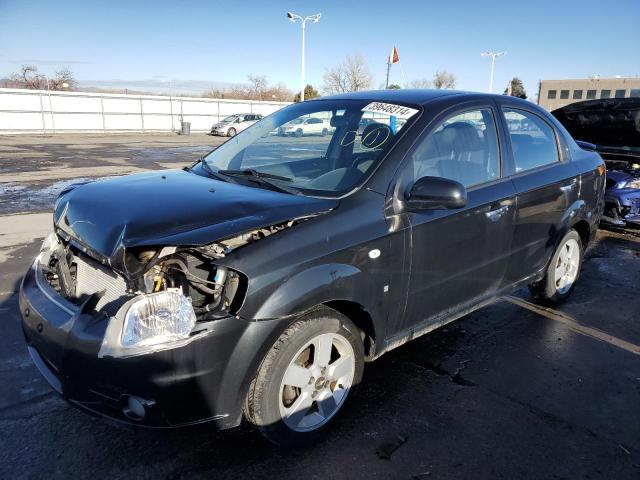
{"points": [[319, 383]]}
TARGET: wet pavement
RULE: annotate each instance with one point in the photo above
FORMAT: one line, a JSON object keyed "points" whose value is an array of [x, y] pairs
{"points": [[511, 391], [35, 169]]}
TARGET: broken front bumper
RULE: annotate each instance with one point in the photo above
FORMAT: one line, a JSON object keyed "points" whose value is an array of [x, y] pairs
{"points": [[202, 381], [622, 207]]}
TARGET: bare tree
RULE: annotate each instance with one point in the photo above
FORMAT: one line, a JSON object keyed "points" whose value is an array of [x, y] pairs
{"points": [[351, 75], [64, 80], [30, 78], [258, 85], [420, 83], [258, 90], [444, 79]]}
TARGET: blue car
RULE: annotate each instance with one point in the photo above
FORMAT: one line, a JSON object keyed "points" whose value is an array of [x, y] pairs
{"points": [[612, 127]]}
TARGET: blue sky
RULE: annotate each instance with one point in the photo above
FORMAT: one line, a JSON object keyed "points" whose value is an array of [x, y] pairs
{"points": [[222, 41]]}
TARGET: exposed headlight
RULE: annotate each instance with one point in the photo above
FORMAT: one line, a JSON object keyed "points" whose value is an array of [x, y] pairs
{"points": [[158, 318], [630, 184]]}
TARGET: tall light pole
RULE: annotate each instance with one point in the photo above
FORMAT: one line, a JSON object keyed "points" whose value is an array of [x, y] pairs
{"points": [[493, 56], [303, 20]]}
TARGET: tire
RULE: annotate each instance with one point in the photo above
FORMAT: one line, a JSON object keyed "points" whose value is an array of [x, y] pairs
{"points": [[297, 413], [231, 132], [556, 286], [299, 132], [325, 132]]}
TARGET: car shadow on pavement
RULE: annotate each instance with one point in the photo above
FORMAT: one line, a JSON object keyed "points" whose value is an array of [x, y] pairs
{"points": [[489, 395]]}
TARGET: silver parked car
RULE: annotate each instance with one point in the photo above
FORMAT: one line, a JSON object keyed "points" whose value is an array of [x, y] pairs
{"points": [[233, 124]]}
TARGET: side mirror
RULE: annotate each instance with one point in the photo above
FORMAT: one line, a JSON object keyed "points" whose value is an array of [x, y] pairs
{"points": [[435, 193]]}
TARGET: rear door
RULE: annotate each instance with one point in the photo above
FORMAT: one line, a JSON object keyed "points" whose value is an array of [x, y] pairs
{"points": [[546, 184], [458, 257]]}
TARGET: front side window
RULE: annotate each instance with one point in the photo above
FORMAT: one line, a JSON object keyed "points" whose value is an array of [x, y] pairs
{"points": [[591, 94], [463, 147], [314, 148], [534, 147], [577, 94], [635, 92], [620, 93], [564, 94], [552, 94], [605, 93]]}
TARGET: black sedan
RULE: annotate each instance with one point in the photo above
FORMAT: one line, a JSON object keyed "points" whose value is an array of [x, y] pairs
{"points": [[259, 281]]}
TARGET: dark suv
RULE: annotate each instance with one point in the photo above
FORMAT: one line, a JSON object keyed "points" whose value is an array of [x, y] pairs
{"points": [[260, 279]]}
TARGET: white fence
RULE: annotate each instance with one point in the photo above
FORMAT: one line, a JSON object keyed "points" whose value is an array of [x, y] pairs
{"points": [[33, 111]]}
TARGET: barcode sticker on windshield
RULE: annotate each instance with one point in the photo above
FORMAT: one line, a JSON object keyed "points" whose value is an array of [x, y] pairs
{"points": [[390, 109]]}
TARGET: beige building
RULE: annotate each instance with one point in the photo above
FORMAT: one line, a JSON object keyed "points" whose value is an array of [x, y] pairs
{"points": [[558, 93]]}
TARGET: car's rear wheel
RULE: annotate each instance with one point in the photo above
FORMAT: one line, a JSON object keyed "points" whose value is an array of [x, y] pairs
{"points": [[231, 132], [306, 378], [563, 271], [298, 132]]}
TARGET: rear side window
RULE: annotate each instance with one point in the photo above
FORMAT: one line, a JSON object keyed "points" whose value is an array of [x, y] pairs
{"points": [[534, 145], [463, 147]]}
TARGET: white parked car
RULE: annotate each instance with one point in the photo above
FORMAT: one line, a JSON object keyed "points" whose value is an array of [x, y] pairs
{"points": [[233, 124], [305, 126]]}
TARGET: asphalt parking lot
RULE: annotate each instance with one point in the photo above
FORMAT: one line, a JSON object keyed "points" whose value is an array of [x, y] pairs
{"points": [[511, 391]]}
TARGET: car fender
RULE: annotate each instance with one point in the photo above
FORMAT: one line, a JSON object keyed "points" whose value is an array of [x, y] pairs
{"points": [[316, 285], [574, 213]]}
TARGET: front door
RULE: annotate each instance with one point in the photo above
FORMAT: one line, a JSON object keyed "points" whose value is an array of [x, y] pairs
{"points": [[459, 257]]}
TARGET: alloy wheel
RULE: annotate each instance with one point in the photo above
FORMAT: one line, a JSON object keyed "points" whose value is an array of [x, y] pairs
{"points": [[567, 264], [316, 382]]}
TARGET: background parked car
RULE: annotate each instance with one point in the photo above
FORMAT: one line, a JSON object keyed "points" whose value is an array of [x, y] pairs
{"points": [[233, 124], [309, 126], [612, 126]]}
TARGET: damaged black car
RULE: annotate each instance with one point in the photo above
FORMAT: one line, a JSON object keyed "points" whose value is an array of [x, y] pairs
{"points": [[256, 283], [612, 127]]}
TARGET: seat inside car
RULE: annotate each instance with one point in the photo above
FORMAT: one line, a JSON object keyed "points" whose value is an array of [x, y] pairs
{"points": [[375, 137], [465, 154], [457, 151]]}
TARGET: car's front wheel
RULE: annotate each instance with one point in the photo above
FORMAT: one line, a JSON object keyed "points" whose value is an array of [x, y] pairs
{"points": [[231, 132], [299, 132], [306, 377], [562, 272]]}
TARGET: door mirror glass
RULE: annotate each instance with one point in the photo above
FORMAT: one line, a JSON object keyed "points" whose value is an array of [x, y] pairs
{"points": [[435, 193]]}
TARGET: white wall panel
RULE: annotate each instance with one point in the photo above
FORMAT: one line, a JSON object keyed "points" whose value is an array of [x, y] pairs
{"points": [[29, 110]]}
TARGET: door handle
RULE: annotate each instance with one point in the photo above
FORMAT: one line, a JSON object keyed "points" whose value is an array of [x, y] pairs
{"points": [[494, 215]]}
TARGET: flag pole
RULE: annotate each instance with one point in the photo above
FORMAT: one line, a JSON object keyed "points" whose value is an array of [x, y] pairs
{"points": [[388, 68]]}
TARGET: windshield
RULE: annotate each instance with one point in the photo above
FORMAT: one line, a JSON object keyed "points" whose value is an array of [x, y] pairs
{"points": [[229, 119], [315, 148]]}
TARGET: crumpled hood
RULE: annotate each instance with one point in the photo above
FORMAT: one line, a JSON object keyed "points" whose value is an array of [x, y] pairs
{"points": [[171, 207]]}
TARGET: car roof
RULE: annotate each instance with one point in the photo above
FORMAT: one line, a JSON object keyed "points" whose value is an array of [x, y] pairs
{"points": [[417, 96]]}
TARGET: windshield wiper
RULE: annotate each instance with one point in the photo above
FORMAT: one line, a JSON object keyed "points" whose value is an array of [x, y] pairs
{"points": [[261, 177], [254, 173], [207, 168]]}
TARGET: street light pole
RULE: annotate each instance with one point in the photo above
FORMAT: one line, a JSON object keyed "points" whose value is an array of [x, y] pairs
{"points": [[493, 56], [303, 20]]}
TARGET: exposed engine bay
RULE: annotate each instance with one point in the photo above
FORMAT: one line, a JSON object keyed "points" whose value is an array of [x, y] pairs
{"points": [[82, 277], [622, 198]]}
